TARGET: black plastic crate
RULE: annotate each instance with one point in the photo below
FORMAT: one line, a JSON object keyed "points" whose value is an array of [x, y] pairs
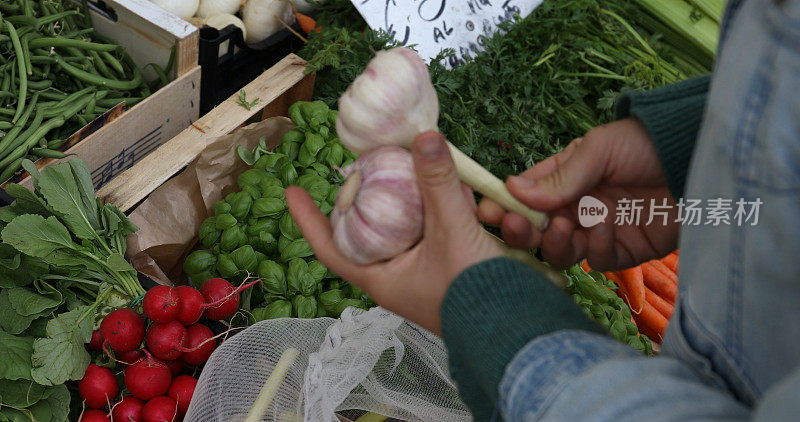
{"points": [[224, 75]]}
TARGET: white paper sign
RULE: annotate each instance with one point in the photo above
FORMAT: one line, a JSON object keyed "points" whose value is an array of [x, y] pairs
{"points": [[434, 25]]}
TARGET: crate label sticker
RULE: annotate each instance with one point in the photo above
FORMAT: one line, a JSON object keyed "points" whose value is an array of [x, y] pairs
{"points": [[433, 25]]}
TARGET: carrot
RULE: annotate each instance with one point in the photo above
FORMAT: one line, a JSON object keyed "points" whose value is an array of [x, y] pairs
{"points": [[651, 320], [585, 265], [671, 262], [664, 270], [659, 283], [662, 306], [634, 285], [307, 23]]}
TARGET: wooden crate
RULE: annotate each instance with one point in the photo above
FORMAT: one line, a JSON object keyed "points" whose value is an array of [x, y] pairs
{"points": [[277, 88], [118, 139]]}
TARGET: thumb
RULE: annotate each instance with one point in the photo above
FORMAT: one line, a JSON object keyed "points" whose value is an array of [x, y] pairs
{"points": [[445, 203], [562, 178]]}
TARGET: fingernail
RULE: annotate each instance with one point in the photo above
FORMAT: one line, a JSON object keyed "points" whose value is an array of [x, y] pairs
{"points": [[522, 182], [430, 146]]}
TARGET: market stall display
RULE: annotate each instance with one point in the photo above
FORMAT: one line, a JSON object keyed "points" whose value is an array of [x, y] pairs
{"points": [[204, 215]]}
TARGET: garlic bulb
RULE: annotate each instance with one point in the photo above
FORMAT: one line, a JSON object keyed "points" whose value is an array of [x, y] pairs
{"points": [[391, 103], [209, 8], [378, 211], [261, 18], [182, 8]]}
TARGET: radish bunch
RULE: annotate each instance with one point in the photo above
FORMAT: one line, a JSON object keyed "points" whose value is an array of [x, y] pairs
{"points": [[173, 339]]}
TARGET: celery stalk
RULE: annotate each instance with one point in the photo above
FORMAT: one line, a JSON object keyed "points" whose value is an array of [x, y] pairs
{"points": [[712, 8], [697, 28]]}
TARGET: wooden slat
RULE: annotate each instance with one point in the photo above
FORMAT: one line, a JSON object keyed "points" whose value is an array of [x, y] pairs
{"points": [[138, 131], [149, 33], [133, 185]]}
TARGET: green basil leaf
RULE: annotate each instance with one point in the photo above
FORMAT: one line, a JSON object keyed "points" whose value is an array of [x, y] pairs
{"points": [[272, 192], [240, 205], [296, 249], [222, 207], [232, 238], [273, 278], [276, 309], [199, 261], [268, 207], [245, 259], [288, 227], [225, 221], [209, 233], [305, 307], [330, 299], [335, 155], [226, 267], [245, 155], [288, 174], [317, 270], [297, 270]]}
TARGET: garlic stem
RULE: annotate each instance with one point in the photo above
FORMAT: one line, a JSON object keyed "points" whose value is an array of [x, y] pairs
{"points": [[525, 257], [490, 186]]}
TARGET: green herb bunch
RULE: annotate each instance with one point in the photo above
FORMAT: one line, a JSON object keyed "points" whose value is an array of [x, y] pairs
{"points": [[252, 231], [62, 268], [596, 295]]}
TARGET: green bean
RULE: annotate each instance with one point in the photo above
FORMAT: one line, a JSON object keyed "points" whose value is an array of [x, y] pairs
{"points": [[54, 17], [40, 84], [162, 77], [53, 95], [4, 38], [23, 79], [21, 20], [82, 119], [11, 169], [22, 149], [100, 65], [114, 63], [26, 53], [6, 112], [55, 143], [6, 125], [11, 140], [67, 42], [5, 84], [49, 153], [9, 8], [72, 97], [101, 81]]}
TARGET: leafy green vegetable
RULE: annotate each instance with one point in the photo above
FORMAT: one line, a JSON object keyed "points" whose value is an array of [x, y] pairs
{"points": [[15, 356], [62, 355]]}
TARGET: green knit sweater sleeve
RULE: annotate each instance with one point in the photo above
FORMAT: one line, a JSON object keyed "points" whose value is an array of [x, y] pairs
{"points": [[489, 313], [672, 115]]}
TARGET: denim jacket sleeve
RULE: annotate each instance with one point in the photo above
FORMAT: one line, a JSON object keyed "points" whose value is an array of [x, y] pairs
{"points": [[574, 376]]}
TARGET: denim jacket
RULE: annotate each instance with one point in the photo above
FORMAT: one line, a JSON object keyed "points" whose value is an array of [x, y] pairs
{"points": [[732, 347]]}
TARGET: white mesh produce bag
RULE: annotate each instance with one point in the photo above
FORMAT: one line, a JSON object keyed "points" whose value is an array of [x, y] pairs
{"points": [[368, 360]]}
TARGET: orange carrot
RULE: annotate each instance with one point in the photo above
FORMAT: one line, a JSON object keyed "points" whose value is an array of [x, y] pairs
{"points": [[659, 283], [585, 265], [671, 261], [661, 305], [664, 270], [634, 285], [307, 23], [651, 319]]}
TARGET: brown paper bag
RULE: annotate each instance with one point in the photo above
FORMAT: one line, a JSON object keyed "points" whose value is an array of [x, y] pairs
{"points": [[169, 218]]}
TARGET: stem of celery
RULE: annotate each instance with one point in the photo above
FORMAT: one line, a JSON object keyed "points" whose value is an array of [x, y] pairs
{"points": [[270, 387]]}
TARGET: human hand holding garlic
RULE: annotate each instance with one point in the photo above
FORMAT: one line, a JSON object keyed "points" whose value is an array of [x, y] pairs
{"points": [[413, 283]]}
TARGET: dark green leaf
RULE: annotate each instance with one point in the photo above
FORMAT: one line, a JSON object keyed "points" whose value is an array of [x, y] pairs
{"points": [[37, 236], [15, 356], [296, 249], [62, 355]]}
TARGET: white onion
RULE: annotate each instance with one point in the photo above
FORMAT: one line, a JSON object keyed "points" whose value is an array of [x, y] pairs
{"points": [[209, 8], [182, 8], [259, 18], [221, 21], [305, 7]]}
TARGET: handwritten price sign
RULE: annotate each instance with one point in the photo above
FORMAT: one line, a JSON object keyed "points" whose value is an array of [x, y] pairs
{"points": [[433, 25]]}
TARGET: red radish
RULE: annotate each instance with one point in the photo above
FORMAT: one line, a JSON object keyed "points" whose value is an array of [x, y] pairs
{"points": [[129, 409], [123, 329], [98, 387], [195, 335], [175, 366], [191, 304], [161, 304], [166, 341], [181, 390], [130, 356], [94, 415], [96, 343], [160, 409], [222, 299], [148, 378]]}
